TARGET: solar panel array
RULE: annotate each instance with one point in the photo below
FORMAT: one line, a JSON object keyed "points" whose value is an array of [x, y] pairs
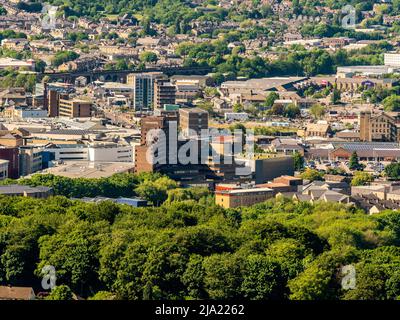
{"points": [[366, 146]]}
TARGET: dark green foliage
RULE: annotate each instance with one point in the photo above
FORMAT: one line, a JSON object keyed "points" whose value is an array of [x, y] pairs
{"points": [[354, 164], [298, 161], [119, 185], [188, 248], [393, 170], [63, 56]]}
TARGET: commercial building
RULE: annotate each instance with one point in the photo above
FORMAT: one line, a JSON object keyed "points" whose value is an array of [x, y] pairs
{"points": [[23, 113], [364, 71], [354, 84], [232, 196], [67, 152], [192, 120], [381, 127], [240, 116], [262, 85], [30, 160], [18, 44], [192, 80], [143, 83], [266, 169], [114, 89], [222, 161], [11, 140], [110, 152], [52, 93], [164, 93], [94, 152], [74, 108], [6, 63], [15, 96], [366, 151], [26, 191], [85, 169], [392, 59], [155, 123]]}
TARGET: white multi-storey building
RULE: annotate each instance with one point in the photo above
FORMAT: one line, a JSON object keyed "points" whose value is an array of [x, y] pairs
{"points": [[94, 152], [110, 152], [392, 59]]}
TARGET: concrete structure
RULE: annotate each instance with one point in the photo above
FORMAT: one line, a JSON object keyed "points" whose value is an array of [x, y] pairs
{"points": [[84, 169], [381, 127], [30, 160], [192, 120], [365, 71], [267, 169], [232, 196], [93, 152], [153, 123], [143, 83], [164, 93], [16, 64], [29, 113], [68, 152], [241, 116], [110, 152], [392, 59], [74, 108], [26, 191]]}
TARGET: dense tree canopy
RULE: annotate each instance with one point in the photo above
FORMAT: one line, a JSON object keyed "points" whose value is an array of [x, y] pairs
{"points": [[189, 248]]}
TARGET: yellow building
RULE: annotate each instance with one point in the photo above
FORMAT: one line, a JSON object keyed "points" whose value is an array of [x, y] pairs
{"points": [[232, 198]]}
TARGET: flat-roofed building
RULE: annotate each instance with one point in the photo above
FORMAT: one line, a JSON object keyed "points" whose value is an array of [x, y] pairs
{"points": [[162, 123], [392, 59], [239, 197], [374, 71], [110, 151], [143, 84], [26, 191], [192, 120], [192, 80], [30, 160], [261, 85], [85, 169], [16, 64], [164, 93], [75, 108]]}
